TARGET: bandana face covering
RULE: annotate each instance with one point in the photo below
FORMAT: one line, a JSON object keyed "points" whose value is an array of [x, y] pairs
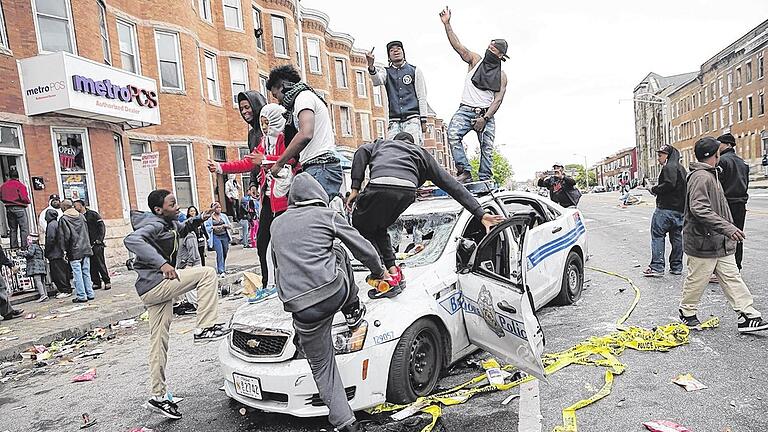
{"points": [[488, 73]]}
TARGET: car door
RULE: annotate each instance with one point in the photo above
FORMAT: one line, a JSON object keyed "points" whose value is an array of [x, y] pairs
{"points": [[498, 313]]}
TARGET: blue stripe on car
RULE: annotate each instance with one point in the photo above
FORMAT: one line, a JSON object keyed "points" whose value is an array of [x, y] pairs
{"points": [[556, 245]]}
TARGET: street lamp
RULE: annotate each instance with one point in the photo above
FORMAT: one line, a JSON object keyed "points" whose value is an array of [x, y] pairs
{"points": [[586, 170]]}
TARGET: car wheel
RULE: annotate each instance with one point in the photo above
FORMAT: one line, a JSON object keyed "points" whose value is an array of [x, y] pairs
{"points": [[573, 280], [416, 363]]}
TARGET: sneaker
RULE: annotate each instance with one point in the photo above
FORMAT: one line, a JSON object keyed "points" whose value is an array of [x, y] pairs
{"points": [[210, 334], [355, 426], [750, 325], [464, 177], [222, 275], [400, 278], [713, 280], [107, 286], [79, 300], [692, 321], [97, 287], [263, 294], [15, 313], [354, 315], [166, 408], [42, 299], [649, 272], [63, 295], [676, 272]]}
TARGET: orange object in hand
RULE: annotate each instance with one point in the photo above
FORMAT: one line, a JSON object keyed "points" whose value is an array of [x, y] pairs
{"points": [[381, 285]]}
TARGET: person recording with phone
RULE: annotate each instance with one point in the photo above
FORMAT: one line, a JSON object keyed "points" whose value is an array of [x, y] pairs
{"points": [[562, 189]]}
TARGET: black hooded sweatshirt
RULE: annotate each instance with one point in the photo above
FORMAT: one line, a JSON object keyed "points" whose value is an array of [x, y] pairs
{"points": [[257, 101], [670, 190], [734, 176]]}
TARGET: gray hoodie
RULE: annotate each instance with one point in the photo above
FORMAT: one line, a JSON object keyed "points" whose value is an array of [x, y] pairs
{"points": [[302, 245]]}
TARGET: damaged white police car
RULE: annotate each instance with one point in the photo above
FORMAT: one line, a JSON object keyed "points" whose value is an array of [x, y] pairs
{"points": [[465, 290]]}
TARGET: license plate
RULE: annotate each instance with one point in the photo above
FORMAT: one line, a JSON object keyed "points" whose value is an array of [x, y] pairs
{"points": [[247, 386]]}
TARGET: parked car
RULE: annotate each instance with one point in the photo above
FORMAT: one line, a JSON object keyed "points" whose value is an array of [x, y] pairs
{"points": [[466, 290]]}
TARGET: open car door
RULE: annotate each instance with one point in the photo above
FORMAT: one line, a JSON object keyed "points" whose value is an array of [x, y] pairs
{"points": [[497, 312]]}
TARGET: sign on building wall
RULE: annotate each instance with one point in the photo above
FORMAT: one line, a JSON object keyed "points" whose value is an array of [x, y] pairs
{"points": [[150, 160], [71, 85]]}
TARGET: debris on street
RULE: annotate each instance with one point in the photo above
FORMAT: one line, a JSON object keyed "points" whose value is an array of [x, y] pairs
{"points": [[664, 426], [87, 421], [688, 382], [89, 375]]}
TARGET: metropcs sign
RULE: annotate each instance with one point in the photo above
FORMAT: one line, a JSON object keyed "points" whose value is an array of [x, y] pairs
{"points": [[67, 84]]}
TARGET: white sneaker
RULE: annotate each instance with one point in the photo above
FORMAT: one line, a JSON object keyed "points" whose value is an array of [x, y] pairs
{"points": [[63, 295], [42, 299]]}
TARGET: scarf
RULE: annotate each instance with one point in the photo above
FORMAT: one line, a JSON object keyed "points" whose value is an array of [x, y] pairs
{"points": [[290, 94], [488, 75]]}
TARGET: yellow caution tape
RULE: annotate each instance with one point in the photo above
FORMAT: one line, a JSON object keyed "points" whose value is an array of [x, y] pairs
{"points": [[602, 351]]}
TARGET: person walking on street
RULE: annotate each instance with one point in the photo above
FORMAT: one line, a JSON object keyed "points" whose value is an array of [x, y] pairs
{"points": [[315, 280], [233, 191], [764, 163], [397, 168], [60, 269], [155, 242], [36, 268], [734, 176], [668, 216], [484, 89], [97, 232], [6, 311], [54, 203], [218, 227], [709, 238], [314, 143], [74, 240], [406, 92], [200, 232], [15, 197], [562, 188]]}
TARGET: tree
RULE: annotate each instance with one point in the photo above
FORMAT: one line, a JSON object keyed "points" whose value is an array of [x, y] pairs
{"points": [[502, 171], [580, 175]]}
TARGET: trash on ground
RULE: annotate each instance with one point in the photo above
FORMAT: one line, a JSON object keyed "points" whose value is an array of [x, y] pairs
{"points": [[30, 316], [141, 429], [688, 382], [87, 421], [144, 316], [89, 375], [664, 426], [243, 411], [127, 322], [251, 284], [94, 353], [18, 407], [509, 399], [8, 338], [75, 309], [5, 330], [119, 295]]}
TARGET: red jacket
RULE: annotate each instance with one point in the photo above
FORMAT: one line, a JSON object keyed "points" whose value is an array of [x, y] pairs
{"points": [[244, 165], [14, 193]]}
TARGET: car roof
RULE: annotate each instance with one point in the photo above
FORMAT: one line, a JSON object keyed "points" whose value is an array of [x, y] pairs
{"points": [[449, 205]]}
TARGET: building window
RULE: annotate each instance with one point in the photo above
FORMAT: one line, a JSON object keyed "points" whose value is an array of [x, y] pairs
{"points": [[749, 107], [761, 103], [297, 41], [377, 96], [313, 51], [74, 164], [365, 127], [54, 26], [233, 19], [279, 41], [246, 176], [760, 66], [740, 110], [362, 91], [379, 128], [238, 74], [722, 117], [181, 158], [205, 10], [439, 136], [104, 33], [212, 77], [712, 91], [263, 86], [748, 72], [720, 86], [430, 131], [258, 29], [169, 58], [730, 80], [341, 73], [129, 47], [3, 30], [706, 123], [346, 121]]}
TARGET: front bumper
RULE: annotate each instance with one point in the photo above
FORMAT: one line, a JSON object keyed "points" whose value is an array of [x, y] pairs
{"points": [[288, 387]]}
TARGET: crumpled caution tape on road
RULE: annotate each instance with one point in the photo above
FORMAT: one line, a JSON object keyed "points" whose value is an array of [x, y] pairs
{"points": [[600, 351]]}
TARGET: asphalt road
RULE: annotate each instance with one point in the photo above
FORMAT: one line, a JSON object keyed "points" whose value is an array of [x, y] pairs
{"points": [[732, 366]]}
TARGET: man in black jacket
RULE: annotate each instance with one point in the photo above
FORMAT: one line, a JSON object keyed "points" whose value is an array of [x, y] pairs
{"points": [[561, 187], [735, 180], [668, 216], [397, 168], [96, 233], [60, 270], [74, 240]]}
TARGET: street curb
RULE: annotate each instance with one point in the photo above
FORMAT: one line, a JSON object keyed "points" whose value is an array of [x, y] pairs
{"points": [[11, 353]]}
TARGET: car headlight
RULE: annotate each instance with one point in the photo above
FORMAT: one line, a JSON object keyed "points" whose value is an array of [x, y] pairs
{"points": [[346, 341]]}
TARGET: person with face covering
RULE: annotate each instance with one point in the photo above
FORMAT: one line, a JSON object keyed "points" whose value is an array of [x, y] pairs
{"points": [[484, 89], [406, 92], [54, 203]]}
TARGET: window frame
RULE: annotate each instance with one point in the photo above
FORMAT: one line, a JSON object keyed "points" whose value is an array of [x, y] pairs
{"points": [[358, 75], [190, 166], [365, 126], [284, 37], [204, 7], [383, 132], [319, 56], [134, 44], [70, 24], [346, 121], [343, 74], [232, 82], [378, 98], [179, 65], [739, 110], [4, 43], [92, 198], [238, 7], [748, 72], [761, 103], [215, 65], [263, 85], [750, 107], [104, 37], [258, 23], [760, 66]]}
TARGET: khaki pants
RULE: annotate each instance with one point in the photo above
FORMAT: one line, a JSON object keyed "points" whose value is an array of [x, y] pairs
{"points": [[699, 272], [159, 303]]}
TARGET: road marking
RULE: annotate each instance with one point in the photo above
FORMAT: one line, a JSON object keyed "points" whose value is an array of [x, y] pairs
{"points": [[530, 407]]}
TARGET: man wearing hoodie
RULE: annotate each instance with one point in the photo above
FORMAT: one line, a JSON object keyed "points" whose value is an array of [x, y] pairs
{"points": [[668, 216], [406, 92], [74, 240], [54, 203], [710, 238], [315, 280], [250, 104], [15, 198], [155, 242], [397, 168], [60, 269], [97, 231], [734, 176]]}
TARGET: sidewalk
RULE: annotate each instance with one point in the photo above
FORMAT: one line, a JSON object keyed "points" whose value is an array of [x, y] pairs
{"points": [[760, 183], [62, 319]]}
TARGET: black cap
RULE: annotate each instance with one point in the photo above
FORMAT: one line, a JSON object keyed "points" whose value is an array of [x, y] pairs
{"points": [[558, 165], [404, 136], [706, 147], [501, 45], [665, 149], [727, 139], [54, 197], [394, 43]]}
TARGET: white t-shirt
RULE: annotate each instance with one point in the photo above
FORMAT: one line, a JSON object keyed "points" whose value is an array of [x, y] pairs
{"points": [[323, 140]]}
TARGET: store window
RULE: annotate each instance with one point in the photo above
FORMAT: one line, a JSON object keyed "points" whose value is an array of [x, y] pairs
{"points": [[238, 73], [279, 41], [103, 32], [54, 25], [313, 50], [233, 19], [169, 59], [74, 164], [183, 180], [129, 47]]}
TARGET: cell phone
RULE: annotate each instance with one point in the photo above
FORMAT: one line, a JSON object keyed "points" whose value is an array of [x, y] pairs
{"points": [[550, 173]]}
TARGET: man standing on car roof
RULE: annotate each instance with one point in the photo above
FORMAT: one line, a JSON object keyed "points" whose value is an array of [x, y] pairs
{"points": [[406, 92], [397, 168]]}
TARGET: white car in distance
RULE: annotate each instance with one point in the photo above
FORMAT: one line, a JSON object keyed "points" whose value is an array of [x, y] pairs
{"points": [[465, 290]]}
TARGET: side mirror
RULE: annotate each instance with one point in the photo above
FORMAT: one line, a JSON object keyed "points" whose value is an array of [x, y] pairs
{"points": [[464, 251]]}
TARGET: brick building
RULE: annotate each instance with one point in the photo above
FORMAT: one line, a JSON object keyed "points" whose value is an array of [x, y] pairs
{"points": [[196, 55], [622, 163]]}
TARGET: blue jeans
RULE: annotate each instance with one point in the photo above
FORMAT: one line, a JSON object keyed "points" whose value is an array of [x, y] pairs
{"points": [[329, 175], [81, 270], [663, 222], [461, 125], [221, 246]]}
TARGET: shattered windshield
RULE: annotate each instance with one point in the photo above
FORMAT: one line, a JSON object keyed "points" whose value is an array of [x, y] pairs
{"points": [[420, 239]]}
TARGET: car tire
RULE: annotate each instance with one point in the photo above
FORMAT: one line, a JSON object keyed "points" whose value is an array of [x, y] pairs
{"points": [[416, 363], [573, 280]]}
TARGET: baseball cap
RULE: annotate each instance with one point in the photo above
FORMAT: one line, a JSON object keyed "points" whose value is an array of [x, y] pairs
{"points": [[664, 149], [557, 165], [727, 139], [501, 45], [53, 197], [706, 147]]}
